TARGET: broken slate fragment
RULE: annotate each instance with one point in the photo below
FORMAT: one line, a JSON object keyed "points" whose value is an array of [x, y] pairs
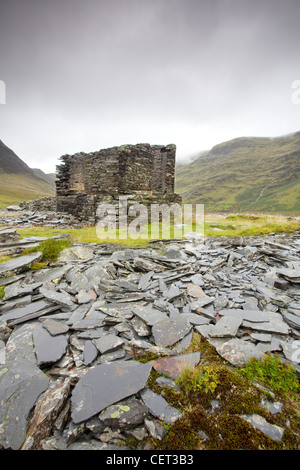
{"points": [[149, 315], [173, 365], [48, 348], [19, 264], [168, 332], [159, 407], [238, 352], [271, 430], [226, 326], [60, 298], [90, 352], [45, 413], [105, 385], [21, 383], [108, 343], [54, 327], [125, 414]]}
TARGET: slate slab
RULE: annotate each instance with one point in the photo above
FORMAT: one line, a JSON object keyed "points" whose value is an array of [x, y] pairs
{"points": [[125, 414], [255, 316], [55, 327], [48, 348], [227, 326], [20, 312], [90, 352], [168, 332], [108, 343], [20, 264], [21, 383], [105, 385], [45, 413], [159, 407], [238, 352], [61, 298], [149, 315], [271, 430], [173, 365]]}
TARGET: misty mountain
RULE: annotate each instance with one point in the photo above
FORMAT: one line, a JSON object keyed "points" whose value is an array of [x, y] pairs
{"points": [[245, 174]]}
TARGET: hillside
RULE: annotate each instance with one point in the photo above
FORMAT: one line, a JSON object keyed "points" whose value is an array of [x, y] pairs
{"points": [[247, 174], [18, 182]]}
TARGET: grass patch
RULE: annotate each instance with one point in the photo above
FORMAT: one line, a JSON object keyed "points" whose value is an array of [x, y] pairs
{"points": [[244, 225], [249, 225], [233, 389], [279, 377], [2, 289], [50, 249], [3, 259]]}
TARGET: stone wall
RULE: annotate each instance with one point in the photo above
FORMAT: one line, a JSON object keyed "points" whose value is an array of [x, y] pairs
{"points": [[143, 172]]}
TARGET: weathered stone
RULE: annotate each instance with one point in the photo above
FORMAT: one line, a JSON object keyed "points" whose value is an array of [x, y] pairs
{"points": [[159, 407], [55, 327], [155, 429], [105, 385], [61, 298], [238, 352], [90, 352], [124, 415], [255, 316], [173, 366], [227, 326], [21, 383], [108, 343], [271, 430], [45, 413], [77, 253], [168, 332], [273, 407], [20, 264], [8, 235], [48, 348], [149, 315]]}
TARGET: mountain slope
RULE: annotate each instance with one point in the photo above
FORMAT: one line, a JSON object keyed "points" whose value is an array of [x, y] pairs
{"points": [[18, 182], [245, 174]]}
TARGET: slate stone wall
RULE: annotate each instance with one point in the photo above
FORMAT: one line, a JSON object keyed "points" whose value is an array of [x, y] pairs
{"points": [[143, 172]]}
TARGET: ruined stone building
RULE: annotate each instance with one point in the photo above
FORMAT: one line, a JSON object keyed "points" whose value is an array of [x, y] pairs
{"points": [[143, 173]]}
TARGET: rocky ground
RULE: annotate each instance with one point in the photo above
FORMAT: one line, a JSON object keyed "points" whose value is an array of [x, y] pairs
{"points": [[91, 345]]}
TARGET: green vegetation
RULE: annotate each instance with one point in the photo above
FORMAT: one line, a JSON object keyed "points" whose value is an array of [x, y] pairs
{"points": [[245, 174], [205, 377], [243, 225], [214, 394], [279, 377], [18, 181], [50, 249], [2, 289], [231, 226]]}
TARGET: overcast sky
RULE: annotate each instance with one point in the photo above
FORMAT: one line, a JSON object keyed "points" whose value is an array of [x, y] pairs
{"points": [[82, 75]]}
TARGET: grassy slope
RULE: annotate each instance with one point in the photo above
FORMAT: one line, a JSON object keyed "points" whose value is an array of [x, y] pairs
{"points": [[18, 182], [245, 174], [15, 188]]}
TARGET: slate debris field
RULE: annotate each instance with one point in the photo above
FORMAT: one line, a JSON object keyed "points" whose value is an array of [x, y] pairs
{"points": [[70, 332]]}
